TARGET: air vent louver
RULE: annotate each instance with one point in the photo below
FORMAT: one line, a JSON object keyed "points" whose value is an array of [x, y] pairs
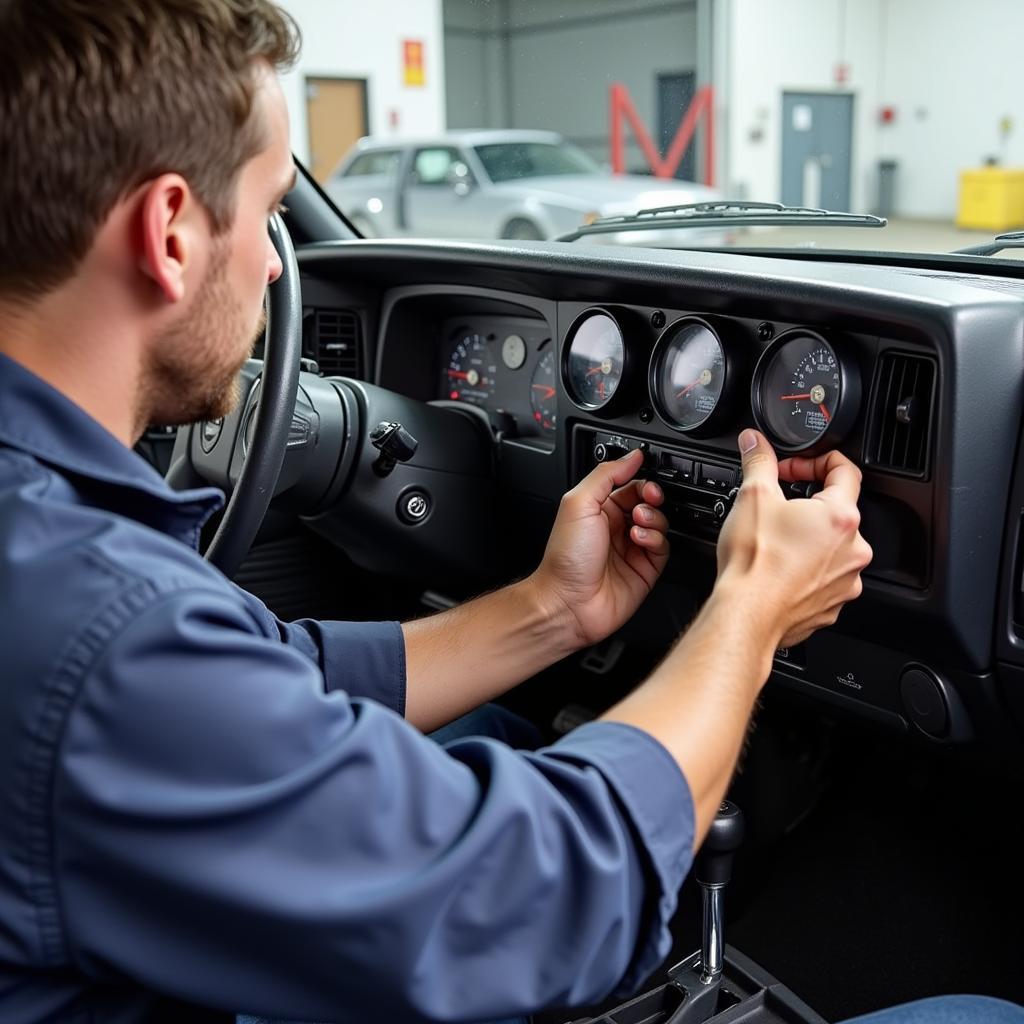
{"points": [[337, 343], [902, 413]]}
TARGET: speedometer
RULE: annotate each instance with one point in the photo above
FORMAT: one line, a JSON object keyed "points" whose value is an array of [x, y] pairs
{"points": [[805, 395], [471, 370]]}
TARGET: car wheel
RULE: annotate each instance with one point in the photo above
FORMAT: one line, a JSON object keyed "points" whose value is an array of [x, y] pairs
{"points": [[522, 228]]}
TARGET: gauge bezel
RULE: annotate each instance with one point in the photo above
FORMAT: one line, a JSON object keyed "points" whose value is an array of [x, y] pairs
{"points": [[609, 403], [847, 407], [713, 421]]}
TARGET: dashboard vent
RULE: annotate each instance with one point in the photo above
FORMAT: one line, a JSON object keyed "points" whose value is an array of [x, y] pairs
{"points": [[902, 413], [337, 342]]}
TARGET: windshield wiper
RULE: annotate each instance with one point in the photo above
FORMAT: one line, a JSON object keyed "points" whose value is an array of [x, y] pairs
{"points": [[1010, 240], [721, 214]]}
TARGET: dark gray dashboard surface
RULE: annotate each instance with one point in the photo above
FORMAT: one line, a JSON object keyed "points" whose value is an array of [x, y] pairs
{"points": [[973, 327]]}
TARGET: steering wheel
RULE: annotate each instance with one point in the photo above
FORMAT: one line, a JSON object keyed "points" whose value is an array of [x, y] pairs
{"points": [[254, 435]]}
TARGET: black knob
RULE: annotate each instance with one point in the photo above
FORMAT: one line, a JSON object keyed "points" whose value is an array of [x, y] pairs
{"points": [[714, 862], [394, 443], [607, 452], [802, 488]]}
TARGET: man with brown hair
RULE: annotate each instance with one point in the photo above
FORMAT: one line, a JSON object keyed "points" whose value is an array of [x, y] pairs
{"points": [[203, 805]]}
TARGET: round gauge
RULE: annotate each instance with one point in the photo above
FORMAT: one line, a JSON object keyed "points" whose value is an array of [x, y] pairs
{"points": [[688, 374], [803, 393], [542, 393], [470, 373], [595, 355], [513, 351]]}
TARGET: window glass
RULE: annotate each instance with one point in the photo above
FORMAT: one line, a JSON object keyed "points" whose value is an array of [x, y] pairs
{"points": [[506, 160], [433, 166], [380, 162]]}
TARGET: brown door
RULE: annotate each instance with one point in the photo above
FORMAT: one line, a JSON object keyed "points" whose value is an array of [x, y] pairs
{"points": [[336, 115]]}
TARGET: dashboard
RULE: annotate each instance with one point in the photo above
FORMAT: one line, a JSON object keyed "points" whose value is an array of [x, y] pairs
{"points": [[573, 356]]}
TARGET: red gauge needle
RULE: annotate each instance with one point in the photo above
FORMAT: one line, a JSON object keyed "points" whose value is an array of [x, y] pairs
{"points": [[462, 374], [549, 392], [790, 398], [597, 369], [824, 412], [687, 389]]}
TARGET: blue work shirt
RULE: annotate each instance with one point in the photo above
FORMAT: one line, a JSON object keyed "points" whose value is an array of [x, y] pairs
{"points": [[200, 802]]}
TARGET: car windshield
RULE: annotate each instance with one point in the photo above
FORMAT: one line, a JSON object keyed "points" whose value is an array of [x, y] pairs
{"points": [[504, 161], [904, 109]]}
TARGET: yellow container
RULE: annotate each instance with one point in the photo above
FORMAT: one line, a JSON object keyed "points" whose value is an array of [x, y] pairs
{"points": [[991, 199]]}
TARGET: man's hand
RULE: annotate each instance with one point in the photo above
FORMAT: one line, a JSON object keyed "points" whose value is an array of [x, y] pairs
{"points": [[802, 557], [606, 550]]}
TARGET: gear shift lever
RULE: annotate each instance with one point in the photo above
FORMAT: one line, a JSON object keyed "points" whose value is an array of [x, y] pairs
{"points": [[713, 870]]}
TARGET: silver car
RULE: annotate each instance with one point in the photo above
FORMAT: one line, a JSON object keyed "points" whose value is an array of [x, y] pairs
{"points": [[497, 184]]}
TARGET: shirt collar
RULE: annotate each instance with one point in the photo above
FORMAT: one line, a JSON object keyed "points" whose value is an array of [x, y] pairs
{"points": [[37, 419]]}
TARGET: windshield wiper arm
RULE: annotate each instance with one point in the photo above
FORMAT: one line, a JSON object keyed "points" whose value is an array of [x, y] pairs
{"points": [[1010, 240], [721, 214]]}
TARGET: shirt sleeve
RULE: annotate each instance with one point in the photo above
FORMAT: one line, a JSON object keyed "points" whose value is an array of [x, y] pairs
{"points": [[365, 659], [229, 833]]}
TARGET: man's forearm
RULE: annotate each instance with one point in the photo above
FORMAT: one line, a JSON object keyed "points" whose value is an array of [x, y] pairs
{"points": [[698, 702], [464, 657]]}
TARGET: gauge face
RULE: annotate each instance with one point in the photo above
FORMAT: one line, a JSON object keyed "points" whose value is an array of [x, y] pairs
{"points": [[594, 360], [688, 374], [470, 373], [513, 351], [798, 389], [542, 393]]}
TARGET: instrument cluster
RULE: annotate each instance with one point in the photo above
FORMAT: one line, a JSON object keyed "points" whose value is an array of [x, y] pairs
{"points": [[505, 366], [804, 389]]}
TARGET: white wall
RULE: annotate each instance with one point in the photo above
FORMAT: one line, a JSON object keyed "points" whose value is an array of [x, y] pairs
{"points": [[951, 69], [353, 39], [795, 45]]}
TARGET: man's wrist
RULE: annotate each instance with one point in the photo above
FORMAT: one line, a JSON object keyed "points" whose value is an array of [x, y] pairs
{"points": [[550, 614]]}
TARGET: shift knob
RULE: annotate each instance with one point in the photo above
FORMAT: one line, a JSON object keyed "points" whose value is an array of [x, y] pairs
{"points": [[714, 862]]}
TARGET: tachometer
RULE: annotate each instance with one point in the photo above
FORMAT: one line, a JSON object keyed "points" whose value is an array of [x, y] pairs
{"points": [[594, 359], [689, 375], [804, 395], [543, 394], [471, 370]]}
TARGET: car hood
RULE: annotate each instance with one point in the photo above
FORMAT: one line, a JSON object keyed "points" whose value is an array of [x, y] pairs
{"points": [[612, 193]]}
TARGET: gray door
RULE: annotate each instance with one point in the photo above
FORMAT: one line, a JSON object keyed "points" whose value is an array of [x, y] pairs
{"points": [[675, 94], [817, 144], [441, 194]]}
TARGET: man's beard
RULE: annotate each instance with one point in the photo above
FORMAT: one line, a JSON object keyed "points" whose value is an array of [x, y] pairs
{"points": [[192, 372]]}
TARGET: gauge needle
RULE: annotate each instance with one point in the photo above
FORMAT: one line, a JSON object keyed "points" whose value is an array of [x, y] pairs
{"points": [[824, 412], [600, 389], [549, 392], [790, 398], [462, 374], [597, 369], [687, 389]]}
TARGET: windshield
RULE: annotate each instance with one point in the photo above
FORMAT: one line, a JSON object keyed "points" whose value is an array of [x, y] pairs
{"points": [[905, 109], [504, 161]]}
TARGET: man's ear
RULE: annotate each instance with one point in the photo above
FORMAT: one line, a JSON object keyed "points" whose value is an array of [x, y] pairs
{"points": [[173, 223]]}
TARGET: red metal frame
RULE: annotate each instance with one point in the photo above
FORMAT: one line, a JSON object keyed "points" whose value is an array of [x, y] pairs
{"points": [[621, 106]]}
